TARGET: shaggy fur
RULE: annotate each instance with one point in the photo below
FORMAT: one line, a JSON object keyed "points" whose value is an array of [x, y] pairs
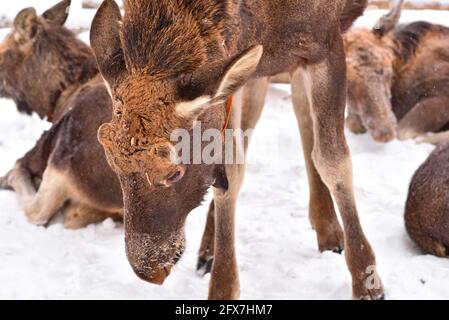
{"points": [[426, 211], [67, 62]]}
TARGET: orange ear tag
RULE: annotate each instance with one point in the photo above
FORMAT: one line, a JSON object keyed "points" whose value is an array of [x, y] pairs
{"points": [[228, 115]]}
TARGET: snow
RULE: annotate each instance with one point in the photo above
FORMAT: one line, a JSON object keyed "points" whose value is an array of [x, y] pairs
{"points": [[277, 250]]}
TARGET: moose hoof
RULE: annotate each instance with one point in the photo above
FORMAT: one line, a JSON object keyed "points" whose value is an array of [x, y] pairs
{"points": [[204, 265], [372, 295], [338, 250], [332, 242], [37, 221], [370, 288], [36, 218]]}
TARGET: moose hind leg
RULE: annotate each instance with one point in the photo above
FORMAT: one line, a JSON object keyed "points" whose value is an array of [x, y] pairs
{"points": [[428, 115], [321, 207], [21, 181], [326, 87], [4, 184], [50, 197], [78, 216]]}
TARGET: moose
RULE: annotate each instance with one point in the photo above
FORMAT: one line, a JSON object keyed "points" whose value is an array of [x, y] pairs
{"points": [[393, 91], [45, 69], [172, 64], [426, 214]]}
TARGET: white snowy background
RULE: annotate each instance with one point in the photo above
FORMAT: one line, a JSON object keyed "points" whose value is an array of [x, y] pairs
{"points": [[277, 251]]}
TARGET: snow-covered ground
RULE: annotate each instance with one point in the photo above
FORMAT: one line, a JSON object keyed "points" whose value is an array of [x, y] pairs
{"points": [[277, 251]]}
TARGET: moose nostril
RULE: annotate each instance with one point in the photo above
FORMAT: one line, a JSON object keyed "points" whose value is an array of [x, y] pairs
{"points": [[176, 176]]}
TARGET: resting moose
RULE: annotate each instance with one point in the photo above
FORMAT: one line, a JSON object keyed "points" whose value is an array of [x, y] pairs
{"points": [[45, 69], [397, 78], [426, 211], [169, 63]]}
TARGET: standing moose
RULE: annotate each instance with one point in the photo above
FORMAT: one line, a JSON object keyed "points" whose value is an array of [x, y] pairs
{"points": [[169, 63]]}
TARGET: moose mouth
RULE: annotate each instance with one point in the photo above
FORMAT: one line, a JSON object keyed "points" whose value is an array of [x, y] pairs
{"points": [[153, 262], [156, 277]]}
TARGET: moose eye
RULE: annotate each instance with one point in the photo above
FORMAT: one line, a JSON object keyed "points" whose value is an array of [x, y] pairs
{"points": [[190, 88], [118, 110], [175, 177]]}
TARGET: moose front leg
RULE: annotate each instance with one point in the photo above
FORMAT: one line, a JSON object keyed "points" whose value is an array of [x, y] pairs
{"points": [[225, 284], [326, 87], [428, 115], [321, 207], [434, 138], [206, 254], [252, 102], [354, 123]]}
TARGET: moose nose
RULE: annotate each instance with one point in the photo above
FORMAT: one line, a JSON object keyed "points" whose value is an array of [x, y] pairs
{"points": [[174, 177]]}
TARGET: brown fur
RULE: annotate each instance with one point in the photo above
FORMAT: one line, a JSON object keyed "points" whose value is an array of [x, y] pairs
{"points": [[392, 89], [53, 73], [426, 212], [163, 60], [74, 61]]}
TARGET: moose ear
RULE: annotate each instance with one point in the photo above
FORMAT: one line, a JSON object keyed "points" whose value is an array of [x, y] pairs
{"points": [[25, 25], [389, 21], [238, 73], [105, 41], [58, 14]]}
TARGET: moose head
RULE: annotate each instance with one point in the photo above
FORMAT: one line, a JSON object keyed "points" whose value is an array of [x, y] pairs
{"points": [[40, 47], [370, 61]]}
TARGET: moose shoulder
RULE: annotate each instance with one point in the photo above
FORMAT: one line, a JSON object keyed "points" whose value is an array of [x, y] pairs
{"points": [[170, 64]]}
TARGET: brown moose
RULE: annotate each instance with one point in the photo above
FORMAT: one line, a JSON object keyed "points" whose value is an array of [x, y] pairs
{"points": [[45, 69], [170, 62], [393, 89], [426, 212]]}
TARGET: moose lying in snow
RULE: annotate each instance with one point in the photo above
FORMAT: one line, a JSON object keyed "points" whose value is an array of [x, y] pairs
{"points": [[45, 69], [397, 78], [169, 63], [426, 212]]}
